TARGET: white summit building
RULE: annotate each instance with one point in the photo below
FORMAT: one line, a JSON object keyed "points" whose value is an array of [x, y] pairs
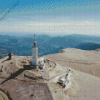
{"points": [[34, 53]]}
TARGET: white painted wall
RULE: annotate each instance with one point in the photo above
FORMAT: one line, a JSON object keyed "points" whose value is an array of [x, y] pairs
{"points": [[34, 56]]}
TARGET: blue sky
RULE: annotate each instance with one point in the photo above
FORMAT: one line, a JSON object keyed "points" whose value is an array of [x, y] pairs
{"points": [[51, 17]]}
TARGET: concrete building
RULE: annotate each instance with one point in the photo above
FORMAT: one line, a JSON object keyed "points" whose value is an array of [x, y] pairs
{"points": [[34, 53]]}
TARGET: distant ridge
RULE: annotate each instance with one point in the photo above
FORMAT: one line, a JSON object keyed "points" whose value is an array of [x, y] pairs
{"points": [[22, 45], [88, 46]]}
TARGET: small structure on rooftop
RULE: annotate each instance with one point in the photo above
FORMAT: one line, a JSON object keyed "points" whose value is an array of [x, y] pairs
{"points": [[41, 63]]}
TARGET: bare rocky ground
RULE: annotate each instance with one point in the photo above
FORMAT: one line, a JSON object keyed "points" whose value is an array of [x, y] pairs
{"points": [[86, 64], [18, 82], [16, 85], [81, 60]]}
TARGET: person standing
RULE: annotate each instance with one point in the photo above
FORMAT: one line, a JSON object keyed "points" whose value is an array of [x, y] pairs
{"points": [[9, 55]]}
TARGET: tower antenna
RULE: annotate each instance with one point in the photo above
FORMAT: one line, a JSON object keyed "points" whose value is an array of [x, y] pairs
{"points": [[34, 37], [34, 41]]}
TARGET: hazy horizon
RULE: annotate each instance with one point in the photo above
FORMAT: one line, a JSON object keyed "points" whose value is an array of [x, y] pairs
{"points": [[55, 18], [37, 34]]}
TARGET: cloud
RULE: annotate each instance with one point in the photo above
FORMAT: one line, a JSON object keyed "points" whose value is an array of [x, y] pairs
{"points": [[52, 27]]}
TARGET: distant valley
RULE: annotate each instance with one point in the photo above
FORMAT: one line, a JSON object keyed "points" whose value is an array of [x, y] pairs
{"points": [[22, 45]]}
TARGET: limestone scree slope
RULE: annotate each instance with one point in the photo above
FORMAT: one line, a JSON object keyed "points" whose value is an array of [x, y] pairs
{"points": [[86, 64]]}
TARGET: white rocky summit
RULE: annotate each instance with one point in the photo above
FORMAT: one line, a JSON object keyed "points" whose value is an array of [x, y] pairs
{"points": [[52, 77]]}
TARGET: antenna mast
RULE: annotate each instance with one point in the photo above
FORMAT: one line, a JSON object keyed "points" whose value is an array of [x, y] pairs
{"points": [[34, 41]]}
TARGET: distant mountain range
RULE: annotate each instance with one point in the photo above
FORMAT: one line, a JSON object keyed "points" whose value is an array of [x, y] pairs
{"points": [[22, 45], [88, 46]]}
